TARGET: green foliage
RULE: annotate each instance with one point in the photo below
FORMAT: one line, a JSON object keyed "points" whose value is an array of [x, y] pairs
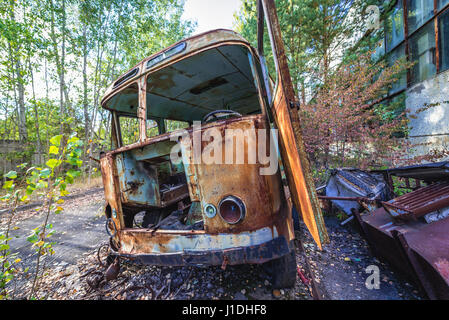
{"points": [[399, 187], [53, 180], [51, 183], [9, 263], [57, 57], [312, 32], [342, 215], [46, 93]]}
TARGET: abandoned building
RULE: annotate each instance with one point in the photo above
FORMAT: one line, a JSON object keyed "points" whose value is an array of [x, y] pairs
{"points": [[419, 31]]}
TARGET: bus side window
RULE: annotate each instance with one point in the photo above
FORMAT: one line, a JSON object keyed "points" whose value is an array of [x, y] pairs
{"points": [[172, 125], [152, 128], [129, 128]]}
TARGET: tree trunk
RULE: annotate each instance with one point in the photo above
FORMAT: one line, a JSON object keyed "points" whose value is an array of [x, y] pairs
{"points": [[18, 83], [36, 118], [85, 99]]}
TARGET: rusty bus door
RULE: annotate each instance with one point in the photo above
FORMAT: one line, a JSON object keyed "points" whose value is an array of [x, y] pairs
{"points": [[283, 107]]}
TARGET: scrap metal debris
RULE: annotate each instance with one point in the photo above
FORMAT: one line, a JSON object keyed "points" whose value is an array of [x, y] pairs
{"points": [[409, 231], [350, 189], [113, 270], [417, 203]]}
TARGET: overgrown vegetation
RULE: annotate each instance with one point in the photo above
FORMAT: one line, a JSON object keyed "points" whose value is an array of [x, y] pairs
{"points": [[341, 83], [50, 182], [57, 57]]}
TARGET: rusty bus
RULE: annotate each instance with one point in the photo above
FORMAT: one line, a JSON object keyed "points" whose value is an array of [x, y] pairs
{"points": [[165, 213]]}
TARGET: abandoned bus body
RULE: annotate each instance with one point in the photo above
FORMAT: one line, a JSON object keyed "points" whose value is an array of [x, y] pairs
{"points": [[164, 212]]}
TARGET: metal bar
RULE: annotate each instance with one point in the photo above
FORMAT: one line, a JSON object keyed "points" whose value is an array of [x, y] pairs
{"points": [[347, 220], [260, 28], [343, 198], [142, 110], [437, 41], [407, 48], [293, 152], [118, 129]]}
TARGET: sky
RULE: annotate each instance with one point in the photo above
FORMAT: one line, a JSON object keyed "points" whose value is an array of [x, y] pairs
{"points": [[211, 14]]}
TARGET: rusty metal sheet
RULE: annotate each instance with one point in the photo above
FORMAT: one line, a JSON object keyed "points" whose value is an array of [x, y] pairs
{"points": [[418, 249], [417, 203], [258, 253], [292, 147], [111, 188], [261, 194], [171, 241]]}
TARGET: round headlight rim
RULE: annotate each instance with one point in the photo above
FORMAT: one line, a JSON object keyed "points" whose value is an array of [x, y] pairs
{"points": [[210, 205], [237, 201]]}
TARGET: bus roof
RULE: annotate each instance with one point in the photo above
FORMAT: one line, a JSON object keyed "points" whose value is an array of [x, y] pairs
{"points": [[192, 44], [208, 72]]}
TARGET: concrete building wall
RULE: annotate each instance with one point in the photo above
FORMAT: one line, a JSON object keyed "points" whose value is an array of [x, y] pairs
{"points": [[7, 162], [432, 125]]}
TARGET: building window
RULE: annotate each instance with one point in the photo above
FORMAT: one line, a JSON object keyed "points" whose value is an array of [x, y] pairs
{"points": [[443, 34], [379, 50], [394, 28], [419, 12], [422, 52], [395, 55], [378, 44], [442, 3]]}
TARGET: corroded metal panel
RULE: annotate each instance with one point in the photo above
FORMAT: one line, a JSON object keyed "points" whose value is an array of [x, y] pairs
{"points": [[262, 194], [111, 189], [419, 249], [292, 148], [259, 253], [417, 203], [164, 241], [138, 180]]}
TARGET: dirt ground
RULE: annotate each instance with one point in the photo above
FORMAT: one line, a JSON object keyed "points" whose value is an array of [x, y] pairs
{"points": [[74, 272]]}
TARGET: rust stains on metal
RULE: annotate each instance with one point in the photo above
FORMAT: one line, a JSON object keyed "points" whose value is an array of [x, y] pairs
{"points": [[442, 266], [292, 146], [111, 188], [417, 248], [241, 180], [142, 109], [417, 203], [113, 270]]}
